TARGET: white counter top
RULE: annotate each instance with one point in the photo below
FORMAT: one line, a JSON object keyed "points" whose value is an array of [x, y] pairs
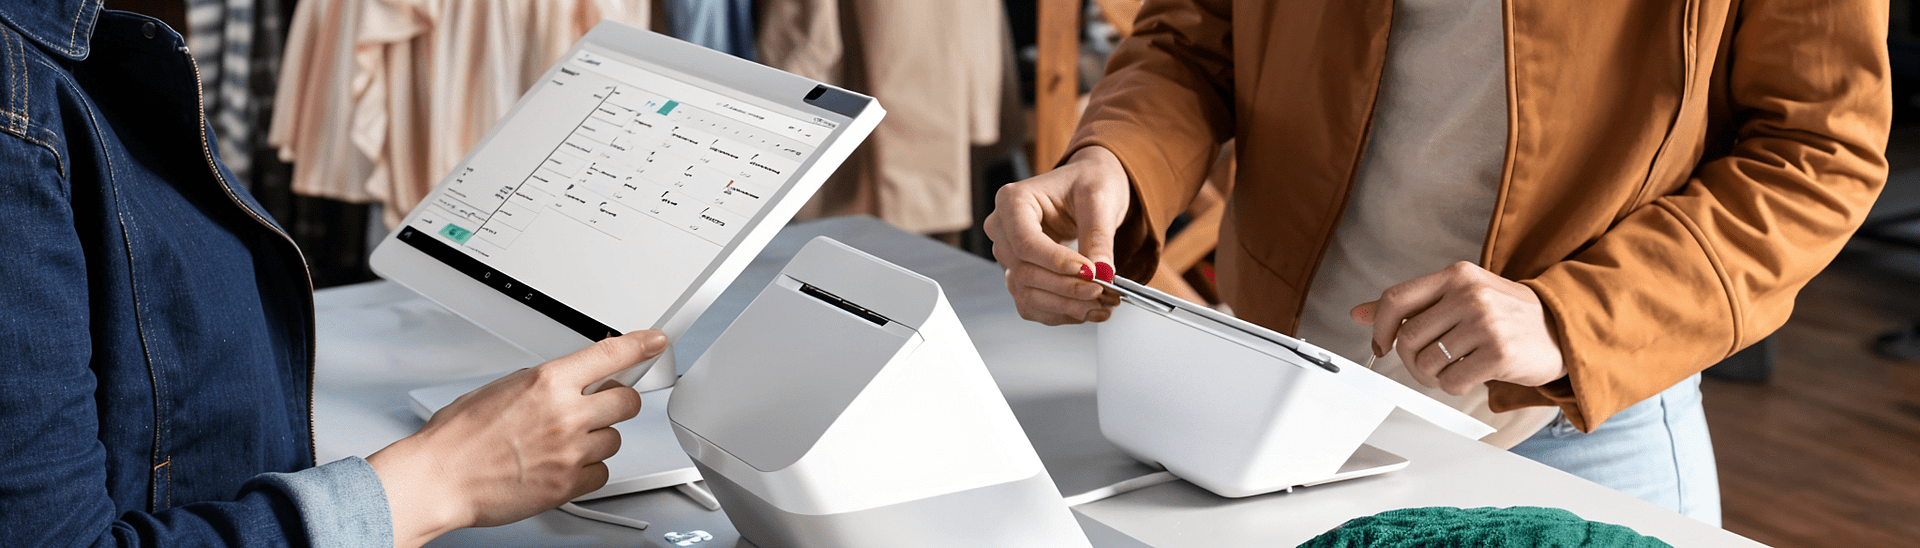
{"points": [[379, 340]]}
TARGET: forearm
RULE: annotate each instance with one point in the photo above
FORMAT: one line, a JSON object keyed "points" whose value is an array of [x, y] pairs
{"points": [[422, 509], [1162, 110]]}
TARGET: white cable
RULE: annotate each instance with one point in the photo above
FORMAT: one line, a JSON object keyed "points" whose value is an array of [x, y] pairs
{"points": [[603, 517], [695, 491], [1123, 486], [700, 495]]}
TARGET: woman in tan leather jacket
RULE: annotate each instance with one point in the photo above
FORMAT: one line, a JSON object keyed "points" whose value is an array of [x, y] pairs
{"points": [[1573, 207]]}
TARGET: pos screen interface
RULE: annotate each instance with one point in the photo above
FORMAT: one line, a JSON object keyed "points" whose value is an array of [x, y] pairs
{"points": [[610, 198]]}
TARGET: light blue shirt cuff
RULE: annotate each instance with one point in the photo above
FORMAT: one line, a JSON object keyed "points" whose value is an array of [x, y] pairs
{"points": [[342, 503]]}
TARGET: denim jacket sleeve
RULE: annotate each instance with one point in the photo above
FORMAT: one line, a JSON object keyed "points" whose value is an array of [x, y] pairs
{"points": [[336, 505], [54, 475], [341, 504]]}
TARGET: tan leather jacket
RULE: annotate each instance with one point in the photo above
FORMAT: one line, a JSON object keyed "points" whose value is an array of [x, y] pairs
{"points": [[1676, 170]]}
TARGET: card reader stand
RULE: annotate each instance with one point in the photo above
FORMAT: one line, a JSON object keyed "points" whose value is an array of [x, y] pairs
{"points": [[1240, 410], [847, 407]]}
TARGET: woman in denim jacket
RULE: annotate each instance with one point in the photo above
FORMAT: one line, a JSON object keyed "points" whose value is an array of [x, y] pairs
{"points": [[156, 335]]}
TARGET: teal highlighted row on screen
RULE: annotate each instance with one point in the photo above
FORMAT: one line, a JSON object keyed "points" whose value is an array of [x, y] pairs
{"points": [[455, 233], [664, 109]]}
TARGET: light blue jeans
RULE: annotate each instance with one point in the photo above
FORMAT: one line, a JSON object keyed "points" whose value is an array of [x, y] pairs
{"points": [[1657, 450]]}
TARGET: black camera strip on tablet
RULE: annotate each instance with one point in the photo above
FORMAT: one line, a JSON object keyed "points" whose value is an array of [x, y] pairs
{"points": [[506, 285]]}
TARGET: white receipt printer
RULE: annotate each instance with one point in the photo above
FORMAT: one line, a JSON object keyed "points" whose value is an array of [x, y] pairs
{"points": [[1240, 410], [847, 407]]}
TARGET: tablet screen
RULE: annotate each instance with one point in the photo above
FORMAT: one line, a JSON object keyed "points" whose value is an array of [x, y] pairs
{"points": [[607, 194]]}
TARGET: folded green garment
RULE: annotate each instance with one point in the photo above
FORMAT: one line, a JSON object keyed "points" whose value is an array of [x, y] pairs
{"points": [[1441, 527]]}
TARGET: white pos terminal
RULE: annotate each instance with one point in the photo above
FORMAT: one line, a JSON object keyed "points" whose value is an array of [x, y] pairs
{"points": [[847, 407], [625, 191], [1241, 410]]}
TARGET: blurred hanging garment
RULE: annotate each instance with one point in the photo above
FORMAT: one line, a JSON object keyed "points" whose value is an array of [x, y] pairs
{"points": [[380, 98], [938, 68], [235, 45], [720, 25]]}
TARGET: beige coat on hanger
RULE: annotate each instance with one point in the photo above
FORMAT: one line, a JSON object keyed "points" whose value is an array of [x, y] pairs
{"points": [[937, 67]]}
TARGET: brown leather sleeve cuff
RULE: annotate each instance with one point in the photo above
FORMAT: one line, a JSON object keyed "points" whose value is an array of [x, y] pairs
{"points": [[1136, 246]]}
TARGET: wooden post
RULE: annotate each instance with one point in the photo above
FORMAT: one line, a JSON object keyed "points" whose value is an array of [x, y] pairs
{"points": [[1056, 81]]}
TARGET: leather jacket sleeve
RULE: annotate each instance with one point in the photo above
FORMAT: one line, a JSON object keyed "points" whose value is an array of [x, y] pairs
{"points": [[1163, 108], [1802, 92]]}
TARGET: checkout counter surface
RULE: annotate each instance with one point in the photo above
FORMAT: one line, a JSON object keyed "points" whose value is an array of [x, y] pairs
{"points": [[378, 340]]}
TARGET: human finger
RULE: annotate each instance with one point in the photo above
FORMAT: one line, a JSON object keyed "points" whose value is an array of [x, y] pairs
{"points": [[1419, 331], [1423, 362], [1017, 229], [591, 477], [606, 357], [1050, 318], [1051, 309], [1470, 367], [1034, 276], [1031, 312], [1099, 315], [1438, 354], [1400, 302], [600, 445], [611, 405], [1403, 301], [1098, 210], [1364, 312]]}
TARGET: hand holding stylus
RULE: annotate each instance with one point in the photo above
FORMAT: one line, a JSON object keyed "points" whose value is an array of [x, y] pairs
{"points": [[1464, 326], [1084, 199]]}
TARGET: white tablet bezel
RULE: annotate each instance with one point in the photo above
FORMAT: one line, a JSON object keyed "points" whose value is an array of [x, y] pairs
{"points": [[494, 309]]}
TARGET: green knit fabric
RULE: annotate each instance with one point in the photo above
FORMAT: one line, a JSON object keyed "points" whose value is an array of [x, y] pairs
{"points": [[1446, 527]]}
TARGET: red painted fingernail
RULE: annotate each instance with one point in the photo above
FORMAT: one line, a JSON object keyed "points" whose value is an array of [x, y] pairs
{"points": [[1086, 273], [1103, 271]]}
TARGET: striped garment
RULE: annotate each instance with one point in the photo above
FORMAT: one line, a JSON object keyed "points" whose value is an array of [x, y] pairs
{"points": [[237, 46]]}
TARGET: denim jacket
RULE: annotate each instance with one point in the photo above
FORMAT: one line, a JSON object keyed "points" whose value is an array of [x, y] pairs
{"points": [[156, 328]]}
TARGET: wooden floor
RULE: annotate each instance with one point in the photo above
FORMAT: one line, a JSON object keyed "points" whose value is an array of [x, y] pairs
{"points": [[1828, 452]]}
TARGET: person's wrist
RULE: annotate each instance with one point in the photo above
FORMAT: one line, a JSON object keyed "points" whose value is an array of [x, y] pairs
{"points": [[1096, 161], [423, 502]]}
